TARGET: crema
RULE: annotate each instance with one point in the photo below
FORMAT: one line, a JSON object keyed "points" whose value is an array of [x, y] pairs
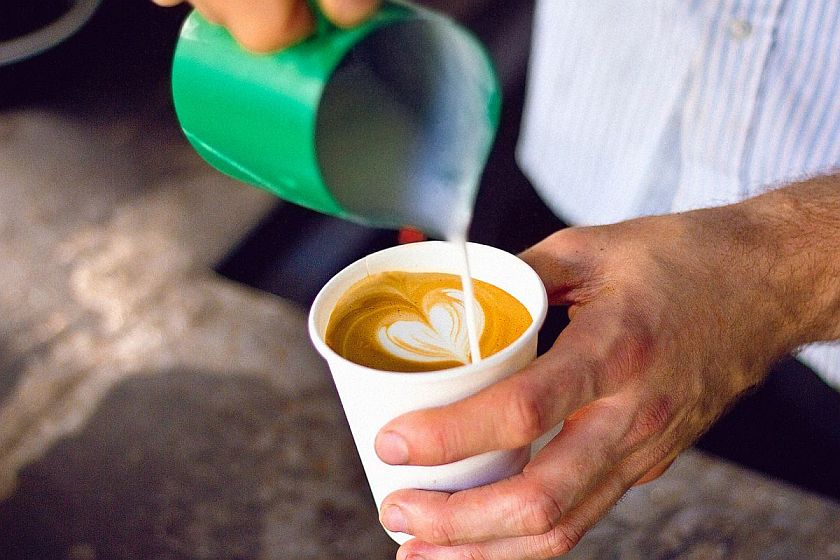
{"points": [[413, 322]]}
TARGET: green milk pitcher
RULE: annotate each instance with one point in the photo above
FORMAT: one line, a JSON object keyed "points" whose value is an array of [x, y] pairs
{"points": [[388, 123]]}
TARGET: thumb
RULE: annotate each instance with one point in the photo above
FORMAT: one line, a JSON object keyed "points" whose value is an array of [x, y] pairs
{"points": [[565, 262], [347, 13]]}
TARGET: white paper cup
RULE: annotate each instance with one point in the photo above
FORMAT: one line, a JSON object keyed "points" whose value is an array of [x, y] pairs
{"points": [[372, 397]]}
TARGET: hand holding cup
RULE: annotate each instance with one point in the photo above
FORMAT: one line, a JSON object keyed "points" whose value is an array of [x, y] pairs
{"points": [[371, 397]]}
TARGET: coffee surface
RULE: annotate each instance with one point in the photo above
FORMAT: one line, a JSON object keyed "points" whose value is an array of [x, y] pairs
{"points": [[411, 322]]}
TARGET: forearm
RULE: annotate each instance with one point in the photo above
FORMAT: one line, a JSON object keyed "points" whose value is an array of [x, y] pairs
{"points": [[797, 238]]}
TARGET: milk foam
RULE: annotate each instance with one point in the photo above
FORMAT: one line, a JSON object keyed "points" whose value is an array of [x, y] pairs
{"points": [[417, 321], [440, 335]]}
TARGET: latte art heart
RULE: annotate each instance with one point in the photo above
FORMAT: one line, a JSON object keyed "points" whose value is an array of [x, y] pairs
{"points": [[410, 321], [439, 335]]}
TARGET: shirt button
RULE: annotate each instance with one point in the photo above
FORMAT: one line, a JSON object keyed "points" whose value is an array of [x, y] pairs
{"points": [[739, 29]]}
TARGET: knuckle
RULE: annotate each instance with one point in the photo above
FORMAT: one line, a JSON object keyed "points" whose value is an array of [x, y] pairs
{"points": [[525, 419], [441, 434], [653, 418], [634, 340], [443, 531], [640, 343], [541, 512], [563, 539], [443, 445]]}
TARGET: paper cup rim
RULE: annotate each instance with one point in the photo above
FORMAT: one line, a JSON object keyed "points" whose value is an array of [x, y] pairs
{"points": [[435, 375]]}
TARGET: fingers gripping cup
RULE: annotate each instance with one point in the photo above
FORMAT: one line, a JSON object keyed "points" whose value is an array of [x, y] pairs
{"points": [[388, 123], [373, 397]]}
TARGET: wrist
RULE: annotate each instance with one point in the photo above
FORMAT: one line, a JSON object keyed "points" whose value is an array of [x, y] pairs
{"points": [[796, 244]]}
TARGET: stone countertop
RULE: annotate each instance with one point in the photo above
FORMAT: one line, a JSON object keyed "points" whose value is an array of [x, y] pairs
{"points": [[152, 409]]}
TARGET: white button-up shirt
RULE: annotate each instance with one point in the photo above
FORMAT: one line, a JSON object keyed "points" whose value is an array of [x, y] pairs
{"points": [[639, 107]]}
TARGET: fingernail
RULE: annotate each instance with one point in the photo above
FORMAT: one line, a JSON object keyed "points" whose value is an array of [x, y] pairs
{"points": [[394, 520], [391, 448]]}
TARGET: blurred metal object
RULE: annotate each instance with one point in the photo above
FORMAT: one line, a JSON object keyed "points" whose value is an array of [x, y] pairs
{"points": [[44, 34]]}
